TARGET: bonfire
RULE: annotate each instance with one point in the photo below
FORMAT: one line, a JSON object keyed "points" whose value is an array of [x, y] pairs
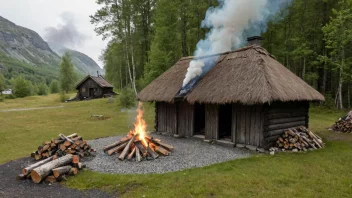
{"points": [[138, 144]]}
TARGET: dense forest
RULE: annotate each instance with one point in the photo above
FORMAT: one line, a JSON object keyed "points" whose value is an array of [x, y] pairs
{"points": [[311, 38]]}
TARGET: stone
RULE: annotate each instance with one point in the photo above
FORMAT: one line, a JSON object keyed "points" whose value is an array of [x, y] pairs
{"points": [[240, 145], [261, 150], [272, 153], [295, 150], [251, 148], [225, 143], [208, 141]]}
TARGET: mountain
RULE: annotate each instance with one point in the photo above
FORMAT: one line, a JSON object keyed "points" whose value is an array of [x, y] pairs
{"points": [[25, 45], [83, 63]]}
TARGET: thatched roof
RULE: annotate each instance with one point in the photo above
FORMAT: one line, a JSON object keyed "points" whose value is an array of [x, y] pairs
{"points": [[165, 87], [101, 81], [248, 75]]}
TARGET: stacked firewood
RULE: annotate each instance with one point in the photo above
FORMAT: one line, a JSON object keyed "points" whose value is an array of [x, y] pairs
{"points": [[72, 144], [52, 170], [344, 124], [298, 139], [133, 148]]}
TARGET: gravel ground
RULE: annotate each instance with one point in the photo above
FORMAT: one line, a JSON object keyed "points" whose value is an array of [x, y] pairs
{"points": [[188, 153], [10, 187]]}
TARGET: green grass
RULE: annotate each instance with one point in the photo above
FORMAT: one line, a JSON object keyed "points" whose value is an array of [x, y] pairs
{"points": [[30, 128], [322, 173]]}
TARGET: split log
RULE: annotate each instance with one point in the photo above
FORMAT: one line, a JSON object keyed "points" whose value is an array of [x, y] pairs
{"points": [[28, 169], [166, 146], [75, 159], [141, 148], [73, 171], [161, 150], [57, 172], [51, 179], [66, 138], [153, 154], [116, 149], [138, 155], [108, 147], [125, 150], [39, 173], [131, 154], [72, 135]]}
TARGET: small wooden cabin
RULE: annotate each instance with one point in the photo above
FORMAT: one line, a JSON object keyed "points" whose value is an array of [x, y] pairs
{"points": [[92, 87], [246, 98]]}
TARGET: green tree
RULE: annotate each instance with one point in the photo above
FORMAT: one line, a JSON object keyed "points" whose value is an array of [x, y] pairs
{"points": [[21, 87], [54, 86], [43, 89], [67, 74], [338, 35]]}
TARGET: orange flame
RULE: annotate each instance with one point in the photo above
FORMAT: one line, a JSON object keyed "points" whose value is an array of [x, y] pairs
{"points": [[140, 126]]}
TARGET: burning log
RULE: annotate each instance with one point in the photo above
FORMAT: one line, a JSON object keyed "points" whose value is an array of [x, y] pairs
{"points": [[71, 144], [298, 139], [137, 144]]}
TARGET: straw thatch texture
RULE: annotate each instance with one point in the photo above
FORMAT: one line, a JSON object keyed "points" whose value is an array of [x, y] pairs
{"points": [[165, 87], [251, 76]]}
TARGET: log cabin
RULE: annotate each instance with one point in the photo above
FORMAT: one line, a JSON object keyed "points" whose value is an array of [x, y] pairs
{"points": [[247, 98], [92, 87]]}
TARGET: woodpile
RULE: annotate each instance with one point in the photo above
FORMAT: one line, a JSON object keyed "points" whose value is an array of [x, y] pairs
{"points": [[343, 124], [52, 170], [298, 139], [63, 145], [137, 149]]}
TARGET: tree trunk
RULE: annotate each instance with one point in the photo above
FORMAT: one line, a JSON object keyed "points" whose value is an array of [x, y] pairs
{"points": [[61, 171], [38, 174], [28, 169], [304, 68]]}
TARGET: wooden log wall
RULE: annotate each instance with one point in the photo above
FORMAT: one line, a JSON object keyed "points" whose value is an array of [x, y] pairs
{"points": [[211, 121], [281, 116], [167, 117], [185, 120], [247, 125]]}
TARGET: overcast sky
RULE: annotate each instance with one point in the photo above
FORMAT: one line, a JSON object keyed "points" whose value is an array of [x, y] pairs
{"points": [[52, 18]]}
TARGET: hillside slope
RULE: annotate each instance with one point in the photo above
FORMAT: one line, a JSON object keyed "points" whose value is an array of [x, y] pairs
{"points": [[83, 63], [25, 45]]}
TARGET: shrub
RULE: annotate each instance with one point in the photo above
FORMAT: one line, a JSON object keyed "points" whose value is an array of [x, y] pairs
{"points": [[10, 96], [127, 98], [43, 89], [63, 96], [54, 86], [22, 87]]}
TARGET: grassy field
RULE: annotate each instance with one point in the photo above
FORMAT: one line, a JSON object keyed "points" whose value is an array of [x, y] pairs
{"points": [[322, 173]]}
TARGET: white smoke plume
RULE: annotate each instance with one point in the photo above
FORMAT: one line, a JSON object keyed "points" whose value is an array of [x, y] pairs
{"points": [[229, 23], [66, 34]]}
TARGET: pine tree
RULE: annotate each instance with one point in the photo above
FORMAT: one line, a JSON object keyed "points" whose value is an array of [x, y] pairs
{"points": [[67, 74]]}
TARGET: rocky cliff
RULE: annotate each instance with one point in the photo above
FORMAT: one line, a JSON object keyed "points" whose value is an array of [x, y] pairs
{"points": [[26, 45]]}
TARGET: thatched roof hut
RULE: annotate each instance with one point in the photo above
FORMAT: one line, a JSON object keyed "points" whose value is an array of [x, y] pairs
{"points": [[247, 98], [249, 75]]}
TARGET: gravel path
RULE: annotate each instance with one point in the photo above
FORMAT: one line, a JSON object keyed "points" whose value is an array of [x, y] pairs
{"points": [[188, 153]]}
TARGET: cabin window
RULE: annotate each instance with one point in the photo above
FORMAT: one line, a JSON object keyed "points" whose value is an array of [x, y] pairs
{"points": [[225, 122], [83, 89]]}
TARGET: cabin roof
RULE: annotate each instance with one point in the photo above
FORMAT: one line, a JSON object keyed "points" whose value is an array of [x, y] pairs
{"points": [[101, 81], [249, 75]]}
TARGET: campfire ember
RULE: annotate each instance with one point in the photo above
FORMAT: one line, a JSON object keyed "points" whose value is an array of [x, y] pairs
{"points": [[137, 144], [298, 139], [52, 170], [343, 124], [72, 144]]}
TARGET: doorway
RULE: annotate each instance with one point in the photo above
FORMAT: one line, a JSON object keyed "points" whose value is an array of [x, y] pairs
{"points": [[91, 92], [199, 119], [225, 122]]}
